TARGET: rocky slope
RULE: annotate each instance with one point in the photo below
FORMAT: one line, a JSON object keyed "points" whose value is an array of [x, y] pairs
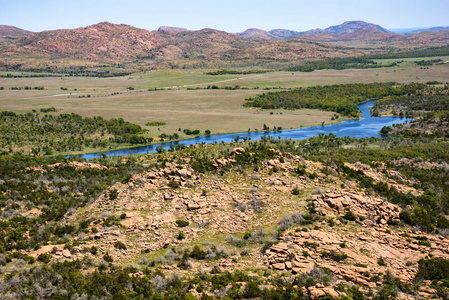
{"points": [[111, 45], [127, 49], [310, 219], [104, 40]]}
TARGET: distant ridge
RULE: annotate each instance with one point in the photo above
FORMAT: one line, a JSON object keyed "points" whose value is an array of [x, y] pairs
{"points": [[348, 27], [431, 29], [256, 33], [107, 46], [169, 28], [438, 38], [11, 31], [284, 33], [344, 28]]}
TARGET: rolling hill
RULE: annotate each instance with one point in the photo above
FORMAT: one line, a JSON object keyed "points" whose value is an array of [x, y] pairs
{"points": [[12, 32], [108, 46], [348, 27], [118, 44]]}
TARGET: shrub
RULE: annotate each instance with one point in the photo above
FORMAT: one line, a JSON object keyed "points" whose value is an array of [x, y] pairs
{"points": [[381, 261], [245, 252], [182, 223], [425, 243], [266, 246], [337, 256], [235, 241], [84, 224], [113, 194], [181, 235], [156, 123], [310, 245], [197, 253], [44, 257], [436, 268], [285, 223], [108, 258], [173, 184], [350, 216], [251, 290], [119, 245]]}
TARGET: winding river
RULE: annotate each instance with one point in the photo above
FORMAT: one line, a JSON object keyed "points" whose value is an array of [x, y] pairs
{"points": [[365, 127]]}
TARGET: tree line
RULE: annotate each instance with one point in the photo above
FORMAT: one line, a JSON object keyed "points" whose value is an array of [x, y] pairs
{"points": [[342, 98]]}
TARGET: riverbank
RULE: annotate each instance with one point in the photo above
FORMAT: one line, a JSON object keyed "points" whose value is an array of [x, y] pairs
{"points": [[365, 127]]}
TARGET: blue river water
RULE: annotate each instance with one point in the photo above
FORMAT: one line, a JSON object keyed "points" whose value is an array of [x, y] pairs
{"points": [[364, 127]]}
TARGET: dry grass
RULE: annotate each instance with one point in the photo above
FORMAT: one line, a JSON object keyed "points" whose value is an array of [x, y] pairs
{"points": [[220, 111]]}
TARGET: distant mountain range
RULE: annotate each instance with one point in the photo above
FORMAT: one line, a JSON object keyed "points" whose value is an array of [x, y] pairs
{"points": [[431, 29], [346, 27], [169, 28], [129, 48], [419, 30]]}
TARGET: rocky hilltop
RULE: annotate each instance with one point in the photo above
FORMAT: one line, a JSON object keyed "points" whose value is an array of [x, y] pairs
{"points": [[288, 217], [252, 33], [104, 40], [127, 49], [12, 32], [348, 27]]}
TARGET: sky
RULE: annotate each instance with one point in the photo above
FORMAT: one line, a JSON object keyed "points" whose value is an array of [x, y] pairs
{"points": [[227, 15]]}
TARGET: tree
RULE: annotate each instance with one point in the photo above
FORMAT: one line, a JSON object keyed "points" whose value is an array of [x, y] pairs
{"points": [[160, 149]]}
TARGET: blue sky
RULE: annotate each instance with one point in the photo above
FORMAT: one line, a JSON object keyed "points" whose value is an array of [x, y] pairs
{"points": [[229, 15]]}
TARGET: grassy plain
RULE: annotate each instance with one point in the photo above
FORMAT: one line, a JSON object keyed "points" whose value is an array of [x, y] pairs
{"points": [[409, 62], [217, 110]]}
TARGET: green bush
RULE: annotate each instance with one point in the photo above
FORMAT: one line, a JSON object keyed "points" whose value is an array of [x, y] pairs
{"points": [[173, 184], [119, 245], [350, 216], [381, 261], [436, 268], [197, 253], [182, 223], [44, 257], [337, 256], [108, 258], [156, 123], [113, 194], [181, 235], [93, 250]]}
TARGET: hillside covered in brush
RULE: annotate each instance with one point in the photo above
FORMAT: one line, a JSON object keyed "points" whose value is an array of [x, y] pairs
{"points": [[109, 47]]}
